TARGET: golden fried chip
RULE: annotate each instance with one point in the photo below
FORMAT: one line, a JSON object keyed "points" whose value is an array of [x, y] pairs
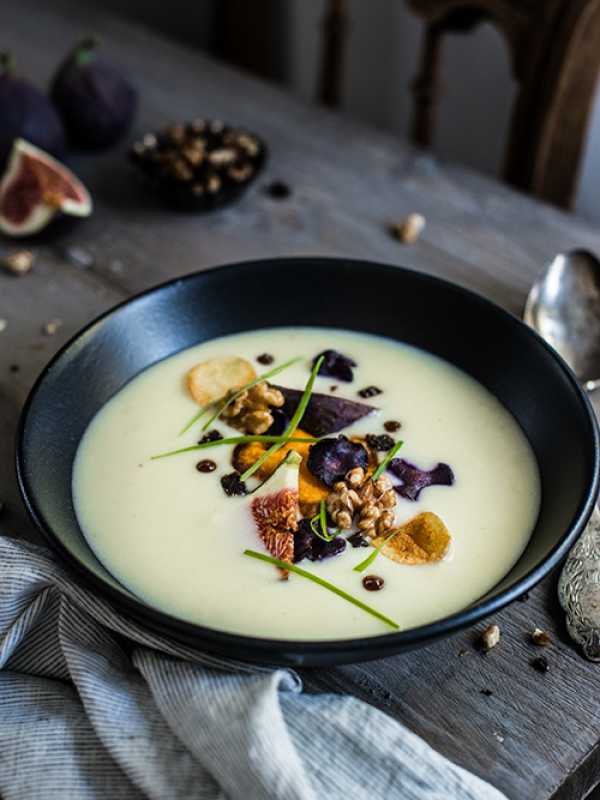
{"points": [[211, 380], [424, 539]]}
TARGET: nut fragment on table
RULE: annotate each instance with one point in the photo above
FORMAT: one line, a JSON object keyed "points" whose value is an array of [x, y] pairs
{"points": [[19, 262], [490, 637], [50, 328], [409, 229], [541, 638], [3, 325]]}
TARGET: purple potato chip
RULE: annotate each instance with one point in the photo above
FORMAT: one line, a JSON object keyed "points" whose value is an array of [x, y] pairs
{"points": [[330, 459], [414, 480], [335, 365], [279, 424], [307, 545], [324, 414]]}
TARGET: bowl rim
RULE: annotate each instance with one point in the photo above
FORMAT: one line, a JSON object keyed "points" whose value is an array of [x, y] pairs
{"points": [[326, 650]]}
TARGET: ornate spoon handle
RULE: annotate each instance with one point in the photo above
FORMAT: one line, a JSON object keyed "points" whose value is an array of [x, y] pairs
{"points": [[579, 589]]}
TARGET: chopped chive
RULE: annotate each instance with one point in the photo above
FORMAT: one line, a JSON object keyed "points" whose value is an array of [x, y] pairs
{"points": [[234, 440], [318, 524], [382, 467], [199, 414], [294, 422], [258, 379], [373, 555], [325, 584]]}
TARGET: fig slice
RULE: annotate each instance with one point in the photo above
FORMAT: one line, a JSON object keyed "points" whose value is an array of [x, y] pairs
{"points": [[211, 380], [274, 508], [424, 539], [324, 414], [35, 188]]}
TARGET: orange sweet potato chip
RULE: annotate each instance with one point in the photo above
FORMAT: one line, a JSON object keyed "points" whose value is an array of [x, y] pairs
{"points": [[311, 490], [424, 539]]}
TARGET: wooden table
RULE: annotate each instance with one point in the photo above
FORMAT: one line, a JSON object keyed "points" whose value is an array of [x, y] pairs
{"points": [[537, 736]]}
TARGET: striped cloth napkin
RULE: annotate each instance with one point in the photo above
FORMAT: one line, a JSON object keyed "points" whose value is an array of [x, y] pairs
{"points": [[94, 706]]}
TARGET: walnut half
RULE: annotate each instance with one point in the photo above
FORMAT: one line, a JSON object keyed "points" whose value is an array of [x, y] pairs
{"points": [[251, 411]]}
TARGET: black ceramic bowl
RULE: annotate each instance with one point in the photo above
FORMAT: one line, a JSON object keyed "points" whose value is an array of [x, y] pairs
{"points": [[467, 330]]}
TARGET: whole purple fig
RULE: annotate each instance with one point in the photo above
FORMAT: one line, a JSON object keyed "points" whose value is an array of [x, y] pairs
{"points": [[26, 113], [94, 99]]}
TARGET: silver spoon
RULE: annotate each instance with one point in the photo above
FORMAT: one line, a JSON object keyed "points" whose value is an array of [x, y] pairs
{"points": [[564, 308]]}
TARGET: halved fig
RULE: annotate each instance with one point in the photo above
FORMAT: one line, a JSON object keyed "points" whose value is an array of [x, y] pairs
{"points": [[324, 414], [424, 539], [274, 508], [311, 490], [35, 188], [212, 380]]}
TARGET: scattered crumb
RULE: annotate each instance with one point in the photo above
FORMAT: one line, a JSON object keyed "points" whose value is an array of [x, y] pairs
{"points": [[409, 229], [333, 388], [540, 664], [278, 190], [499, 736], [541, 638], [490, 637], [14, 368], [486, 692], [18, 263], [3, 325], [462, 653], [79, 257], [50, 328]]}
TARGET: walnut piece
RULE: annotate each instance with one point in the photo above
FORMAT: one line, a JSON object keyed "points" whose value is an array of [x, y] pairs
{"points": [[251, 411], [19, 262], [370, 501], [490, 637], [409, 229]]}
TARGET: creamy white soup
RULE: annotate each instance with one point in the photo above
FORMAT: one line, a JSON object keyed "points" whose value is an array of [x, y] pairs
{"points": [[171, 534]]}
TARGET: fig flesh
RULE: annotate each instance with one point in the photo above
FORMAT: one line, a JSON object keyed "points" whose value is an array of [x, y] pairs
{"points": [[274, 508], [35, 188], [26, 113], [95, 101]]}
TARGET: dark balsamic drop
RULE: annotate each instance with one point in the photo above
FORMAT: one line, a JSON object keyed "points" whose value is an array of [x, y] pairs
{"points": [[373, 583], [206, 465]]}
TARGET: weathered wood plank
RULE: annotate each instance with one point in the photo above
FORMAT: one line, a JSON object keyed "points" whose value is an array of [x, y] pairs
{"points": [[52, 291], [348, 181]]}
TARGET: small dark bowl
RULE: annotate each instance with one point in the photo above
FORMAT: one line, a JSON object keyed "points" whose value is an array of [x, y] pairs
{"points": [[467, 330], [179, 195]]}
